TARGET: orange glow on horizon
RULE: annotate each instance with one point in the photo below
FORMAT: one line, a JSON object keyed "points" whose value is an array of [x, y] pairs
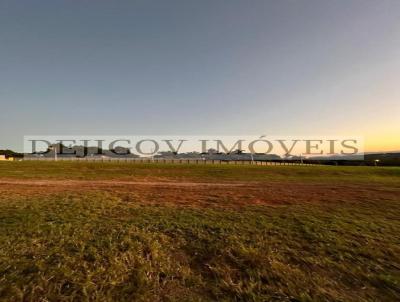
{"points": [[382, 142]]}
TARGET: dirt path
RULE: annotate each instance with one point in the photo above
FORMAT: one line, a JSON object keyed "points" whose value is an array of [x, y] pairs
{"points": [[51, 182], [214, 194]]}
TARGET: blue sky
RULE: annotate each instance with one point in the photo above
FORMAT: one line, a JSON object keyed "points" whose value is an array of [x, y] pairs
{"points": [[200, 67]]}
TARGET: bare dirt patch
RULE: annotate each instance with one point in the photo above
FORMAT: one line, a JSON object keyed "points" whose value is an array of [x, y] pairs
{"points": [[204, 194]]}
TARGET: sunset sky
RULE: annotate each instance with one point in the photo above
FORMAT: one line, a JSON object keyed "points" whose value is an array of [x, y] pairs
{"points": [[200, 67]]}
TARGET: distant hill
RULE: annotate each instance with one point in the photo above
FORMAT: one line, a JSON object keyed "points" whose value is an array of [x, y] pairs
{"points": [[369, 159]]}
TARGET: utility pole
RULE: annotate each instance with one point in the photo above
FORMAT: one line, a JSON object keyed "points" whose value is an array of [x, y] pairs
{"points": [[55, 152]]}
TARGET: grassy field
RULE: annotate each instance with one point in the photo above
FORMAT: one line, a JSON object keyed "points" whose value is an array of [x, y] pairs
{"points": [[109, 170], [149, 232]]}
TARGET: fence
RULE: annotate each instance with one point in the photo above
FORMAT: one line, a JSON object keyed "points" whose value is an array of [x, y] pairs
{"points": [[174, 161]]}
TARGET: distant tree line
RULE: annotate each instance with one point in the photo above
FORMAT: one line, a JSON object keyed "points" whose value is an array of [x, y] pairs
{"points": [[10, 153]]}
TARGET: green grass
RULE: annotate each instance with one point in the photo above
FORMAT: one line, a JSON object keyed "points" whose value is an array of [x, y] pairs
{"points": [[110, 170], [100, 246]]}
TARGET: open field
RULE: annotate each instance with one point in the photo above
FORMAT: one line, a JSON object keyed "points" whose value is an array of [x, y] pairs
{"points": [[158, 232]]}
